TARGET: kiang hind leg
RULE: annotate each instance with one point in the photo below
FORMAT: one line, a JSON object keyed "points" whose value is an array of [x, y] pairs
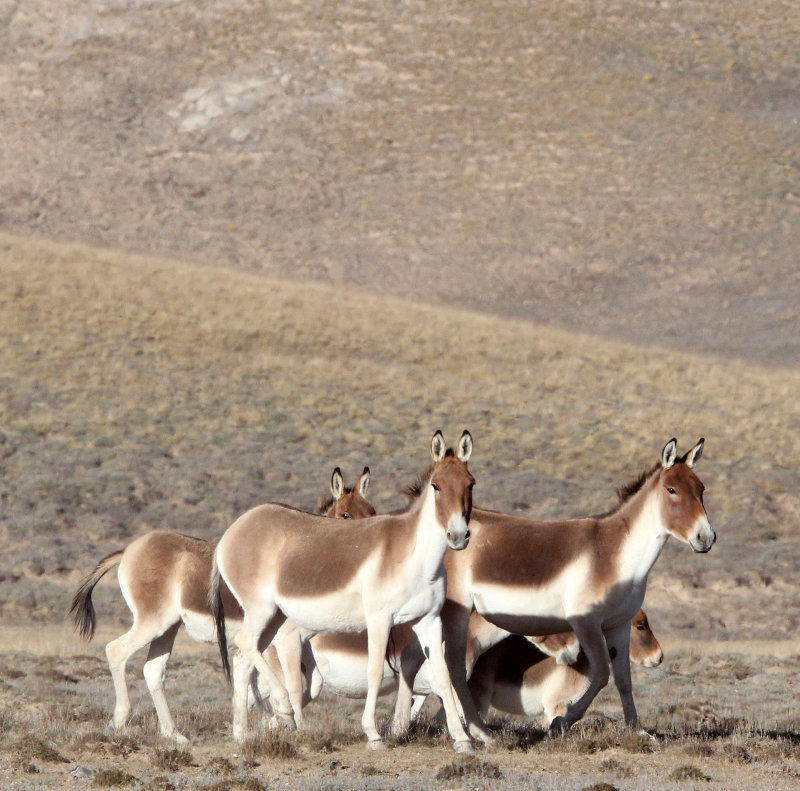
{"points": [[594, 646], [288, 644], [455, 620], [429, 632], [619, 646], [118, 652], [411, 660], [154, 670], [256, 632]]}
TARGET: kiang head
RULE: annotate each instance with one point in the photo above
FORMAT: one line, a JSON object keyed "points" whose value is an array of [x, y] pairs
{"points": [[645, 649], [680, 493], [349, 503], [452, 484]]}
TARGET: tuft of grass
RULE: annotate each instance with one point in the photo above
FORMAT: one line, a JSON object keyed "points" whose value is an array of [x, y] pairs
{"points": [[248, 783], [689, 773], [469, 766], [269, 744], [172, 760], [30, 748], [220, 766], [613, 765], [600, 787], [112, 778], [636, 743]]}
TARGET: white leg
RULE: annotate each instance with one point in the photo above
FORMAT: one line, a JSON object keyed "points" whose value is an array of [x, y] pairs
{"points": [[429, 631], [118, 652], [378, 626], [288, 647], [254, 635], [241, 670], [155, 667], [417, 702]]}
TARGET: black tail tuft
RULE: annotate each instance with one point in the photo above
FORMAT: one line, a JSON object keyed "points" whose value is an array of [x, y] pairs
{"points": [[218, 610], [81, 608]]}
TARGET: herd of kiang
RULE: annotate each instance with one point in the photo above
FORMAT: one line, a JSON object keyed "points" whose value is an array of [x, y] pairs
{"points": [[479, 607]]}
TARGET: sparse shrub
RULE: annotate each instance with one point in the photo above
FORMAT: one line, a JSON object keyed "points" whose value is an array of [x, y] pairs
{"points": [[737, 753], [268, 744], [30, 748], [700, 748], [636, 743], [221, 766], [469, 767], [371, 771], [688, 773], [172, 760], [612, 765], [249, 783], [600, 787], [112, 778]]}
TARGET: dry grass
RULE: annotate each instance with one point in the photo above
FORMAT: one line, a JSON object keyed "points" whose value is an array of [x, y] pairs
{"points": [[141, 394], [145, 394]]}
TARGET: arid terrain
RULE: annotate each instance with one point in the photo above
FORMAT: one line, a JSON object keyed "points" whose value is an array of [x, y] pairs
{"points": [[243, 243]]}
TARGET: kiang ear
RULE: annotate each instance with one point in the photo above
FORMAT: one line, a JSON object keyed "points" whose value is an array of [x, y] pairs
{"points": [[669, 454], [693, 456], [337, 483], [465, 446], [363, 482], [438, 447]]}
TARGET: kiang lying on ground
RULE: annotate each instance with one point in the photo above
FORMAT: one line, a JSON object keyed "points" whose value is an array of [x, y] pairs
{"points": [[515, 677], [164, 579]]}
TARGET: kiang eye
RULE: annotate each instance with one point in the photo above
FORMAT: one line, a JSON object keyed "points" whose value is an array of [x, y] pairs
{"points": [[640, 627], [345, 515], [671, 490], [436, 487]]}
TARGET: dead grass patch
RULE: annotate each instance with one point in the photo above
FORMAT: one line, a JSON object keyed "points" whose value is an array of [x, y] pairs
{"points": [[467, 767], [269, 744], [688, 773], [112, 778], [31, 748], [172, 760]]}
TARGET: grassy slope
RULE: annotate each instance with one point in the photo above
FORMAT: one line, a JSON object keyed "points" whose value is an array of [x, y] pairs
{"points": [[139, 394]]}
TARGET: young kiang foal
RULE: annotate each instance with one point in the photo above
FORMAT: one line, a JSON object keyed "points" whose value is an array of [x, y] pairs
{"points": [[164, 577], [517, 678], [587, 576], [368, 575]]}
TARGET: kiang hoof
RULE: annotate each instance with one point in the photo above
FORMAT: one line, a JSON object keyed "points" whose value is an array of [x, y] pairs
{"points": [[464, 747], [376, 744], [282, 721], [558, 727], [178, 738], [482, 735]]}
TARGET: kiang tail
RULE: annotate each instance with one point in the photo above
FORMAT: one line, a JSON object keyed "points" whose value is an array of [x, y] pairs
{"points": [[81, 609], [218, 610]]}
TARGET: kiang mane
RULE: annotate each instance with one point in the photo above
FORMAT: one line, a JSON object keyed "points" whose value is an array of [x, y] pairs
{"points": [[414, 490]]}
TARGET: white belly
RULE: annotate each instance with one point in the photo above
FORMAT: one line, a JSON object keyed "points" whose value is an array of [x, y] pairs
{"points": [[345, 673]]}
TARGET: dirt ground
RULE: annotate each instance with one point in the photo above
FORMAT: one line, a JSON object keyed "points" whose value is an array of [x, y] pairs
{"points": [[623, 168]]}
